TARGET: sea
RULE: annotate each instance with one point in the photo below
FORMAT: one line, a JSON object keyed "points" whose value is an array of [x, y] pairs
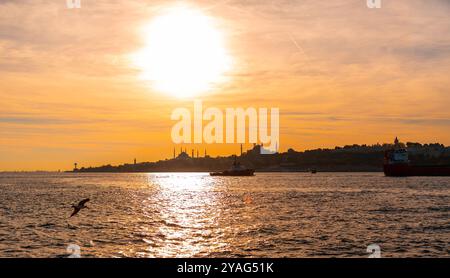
{"points": [[168, 215]]}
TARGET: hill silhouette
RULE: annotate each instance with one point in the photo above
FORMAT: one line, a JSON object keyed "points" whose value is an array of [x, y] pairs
{"points": [[355, 158]]}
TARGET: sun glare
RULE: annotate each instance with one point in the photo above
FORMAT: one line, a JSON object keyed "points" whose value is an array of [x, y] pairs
{"points": [[185, 53]]}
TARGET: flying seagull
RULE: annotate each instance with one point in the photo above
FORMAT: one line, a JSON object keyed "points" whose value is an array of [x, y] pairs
{"points": [[77, 208]]}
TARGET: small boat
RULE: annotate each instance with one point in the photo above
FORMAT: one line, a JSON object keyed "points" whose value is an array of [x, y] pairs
{"points": [[236, 170]]}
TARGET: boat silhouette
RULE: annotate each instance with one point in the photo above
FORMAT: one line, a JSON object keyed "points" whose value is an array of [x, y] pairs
{"points": [[236, 170], [397, 164]]}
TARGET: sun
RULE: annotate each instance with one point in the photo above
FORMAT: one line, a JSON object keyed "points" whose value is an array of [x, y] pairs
{"points": [[185, 53]]}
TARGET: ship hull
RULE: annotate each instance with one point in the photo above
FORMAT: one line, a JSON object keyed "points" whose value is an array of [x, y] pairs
{"points": [[241, 173], [406, 170]]}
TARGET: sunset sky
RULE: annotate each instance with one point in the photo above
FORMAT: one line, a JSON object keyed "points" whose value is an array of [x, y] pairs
{"points": [[85, 85]]}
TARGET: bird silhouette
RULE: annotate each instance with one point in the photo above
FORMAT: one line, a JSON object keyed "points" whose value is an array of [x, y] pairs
{"points": [[81, 205]]}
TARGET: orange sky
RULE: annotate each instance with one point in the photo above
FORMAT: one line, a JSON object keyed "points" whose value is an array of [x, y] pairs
{"points": [[339, 72]]}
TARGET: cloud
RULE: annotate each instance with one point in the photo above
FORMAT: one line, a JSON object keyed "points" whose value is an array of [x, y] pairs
{"points": [[332, 67]]}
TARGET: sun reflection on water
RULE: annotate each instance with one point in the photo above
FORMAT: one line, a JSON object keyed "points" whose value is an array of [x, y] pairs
{"points": [[188, 212]]}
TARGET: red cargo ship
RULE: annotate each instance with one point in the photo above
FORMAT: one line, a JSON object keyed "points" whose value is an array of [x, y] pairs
{"points": [[397, 164]]}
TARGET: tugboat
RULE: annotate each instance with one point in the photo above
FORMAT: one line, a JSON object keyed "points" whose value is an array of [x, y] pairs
{"points": [[236, 170], [397, 164]]}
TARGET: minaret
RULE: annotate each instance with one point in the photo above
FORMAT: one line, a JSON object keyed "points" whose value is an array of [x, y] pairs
{"points": [[205, 152], [173, 152], [197, 153], [396, 141], [75, 164], [135, 161], [192, 152], [241, 149]]}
